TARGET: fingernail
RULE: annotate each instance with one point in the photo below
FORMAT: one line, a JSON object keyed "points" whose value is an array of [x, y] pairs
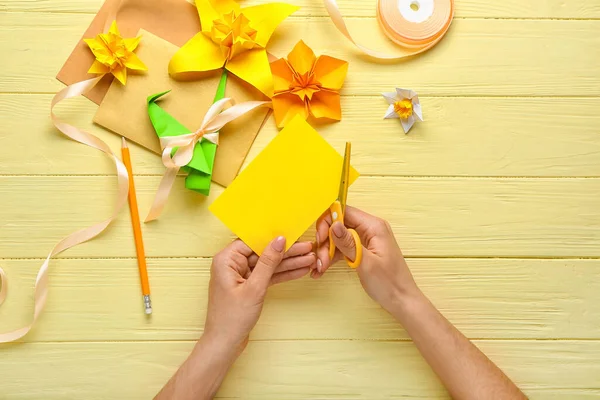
{"points": [[319, 265], [278, 244], [338, 229]]}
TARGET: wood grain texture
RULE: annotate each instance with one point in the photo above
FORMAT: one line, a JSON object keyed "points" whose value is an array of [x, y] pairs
{"points": [[494, 199], [431, 217], [461, 136], [484, 298], [288, 369], [477, 58], [580, 9]]}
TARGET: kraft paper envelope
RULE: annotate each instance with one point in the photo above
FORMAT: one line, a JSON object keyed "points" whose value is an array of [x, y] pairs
{"points": [[174, 20], [284, 189], [124, 108]]}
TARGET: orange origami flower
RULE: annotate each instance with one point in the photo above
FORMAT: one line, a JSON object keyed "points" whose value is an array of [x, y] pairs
{"points": [[307, 85]]}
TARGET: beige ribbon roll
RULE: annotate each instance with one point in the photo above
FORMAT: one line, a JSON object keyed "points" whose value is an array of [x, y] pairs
{"points": [[415, 25]]}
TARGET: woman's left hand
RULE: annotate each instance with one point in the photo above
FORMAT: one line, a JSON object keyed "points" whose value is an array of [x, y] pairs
{"points": [[238, 285]]}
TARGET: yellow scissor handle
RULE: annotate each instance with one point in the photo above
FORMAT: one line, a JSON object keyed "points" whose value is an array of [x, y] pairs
{"points": [[337, 215]]}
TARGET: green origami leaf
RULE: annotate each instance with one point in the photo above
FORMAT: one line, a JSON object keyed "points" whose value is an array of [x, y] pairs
{"points": [[201, 166]]}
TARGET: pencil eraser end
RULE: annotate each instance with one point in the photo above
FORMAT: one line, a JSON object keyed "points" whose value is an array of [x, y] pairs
{"points": [[148, 311]]}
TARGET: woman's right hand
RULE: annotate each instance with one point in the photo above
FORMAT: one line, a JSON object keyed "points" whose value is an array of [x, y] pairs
{"points": [[383, 271]]}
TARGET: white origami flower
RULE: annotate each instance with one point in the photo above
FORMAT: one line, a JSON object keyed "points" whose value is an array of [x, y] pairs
{"points": [[404, 104]]}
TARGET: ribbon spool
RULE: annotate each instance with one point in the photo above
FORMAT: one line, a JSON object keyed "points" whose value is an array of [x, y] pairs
{"points": [[416, 25]]}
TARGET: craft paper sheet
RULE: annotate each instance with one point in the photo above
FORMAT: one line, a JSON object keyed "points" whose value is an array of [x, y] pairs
{"points": [[173, 20], [284, 189], [124, 109]]}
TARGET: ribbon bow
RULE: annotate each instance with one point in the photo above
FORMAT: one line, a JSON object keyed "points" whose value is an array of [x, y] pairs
{"points": [[179, 150]]}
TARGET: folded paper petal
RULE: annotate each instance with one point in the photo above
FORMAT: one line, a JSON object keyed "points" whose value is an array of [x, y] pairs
{"points": [[390, 97], [120, 72], [282, 75], [134, 62], [286, 106], [210, 10], [98, 68], [132, 43], [199, 54], [326, 104], [331, 72], [407, 123], [417, 111], [114, 29], [301, 58], [390, 113], [266, 17], [253, 67]]}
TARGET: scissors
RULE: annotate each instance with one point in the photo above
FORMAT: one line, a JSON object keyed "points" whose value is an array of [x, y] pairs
{"points": [[338, 209]]}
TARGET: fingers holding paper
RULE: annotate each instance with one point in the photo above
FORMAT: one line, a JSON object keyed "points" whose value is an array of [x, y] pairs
{"points": [[239, 281], [296, 263]]}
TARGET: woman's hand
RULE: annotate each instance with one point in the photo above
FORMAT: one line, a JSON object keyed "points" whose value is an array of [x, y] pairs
{"points": [[238, 285], [383, 272]]}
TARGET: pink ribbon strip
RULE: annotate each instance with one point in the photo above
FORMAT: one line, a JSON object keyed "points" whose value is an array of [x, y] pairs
{"points": [[214, 120], [417, 37], [83, 235]]}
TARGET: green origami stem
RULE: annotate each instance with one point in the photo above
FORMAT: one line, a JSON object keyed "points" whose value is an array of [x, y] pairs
{"points": [[200, 168], [196, 180]]}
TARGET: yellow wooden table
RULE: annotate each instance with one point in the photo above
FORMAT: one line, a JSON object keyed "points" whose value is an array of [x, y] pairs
{"points": [[495, 200]]}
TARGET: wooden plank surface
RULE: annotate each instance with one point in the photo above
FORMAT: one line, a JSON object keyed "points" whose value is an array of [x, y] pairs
{"points": [[555, 9], [460, 217], [289, 369], [478, 58], [485, 298], [494, 199], [457, 139]]}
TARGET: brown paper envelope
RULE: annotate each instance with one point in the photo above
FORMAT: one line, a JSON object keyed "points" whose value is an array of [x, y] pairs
{"points": [[174, 20], [124, 108]]}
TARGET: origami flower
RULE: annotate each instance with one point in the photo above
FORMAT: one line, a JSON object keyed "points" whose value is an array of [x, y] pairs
{"points": [[404, 104], [307, 85], [233, 37], [114, 54]]}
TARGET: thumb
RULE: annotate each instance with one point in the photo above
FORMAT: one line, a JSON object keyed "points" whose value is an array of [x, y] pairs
{"points": [[344, 240], [267, 262]]}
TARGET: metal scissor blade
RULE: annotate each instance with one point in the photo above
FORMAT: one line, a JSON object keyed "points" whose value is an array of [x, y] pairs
{"points": [[343, 192]]}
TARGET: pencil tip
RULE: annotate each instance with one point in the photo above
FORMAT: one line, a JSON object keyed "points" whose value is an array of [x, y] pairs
{"points": [[123, 142]]}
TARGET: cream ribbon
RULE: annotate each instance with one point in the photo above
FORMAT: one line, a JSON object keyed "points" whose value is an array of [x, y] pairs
{"points": [[392, 15], [83, 235], [179, 150]]}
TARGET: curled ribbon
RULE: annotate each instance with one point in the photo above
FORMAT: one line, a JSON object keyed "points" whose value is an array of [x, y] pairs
{"points": [[416, 25], [179, 150], [83, 235]]}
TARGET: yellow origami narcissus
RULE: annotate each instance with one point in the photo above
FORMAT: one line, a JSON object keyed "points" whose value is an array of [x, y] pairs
{"points": [[307, 85], [114, 54], [233, 37]]}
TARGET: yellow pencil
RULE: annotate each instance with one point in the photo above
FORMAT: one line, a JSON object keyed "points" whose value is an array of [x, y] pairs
{"points": [[137, 230]]}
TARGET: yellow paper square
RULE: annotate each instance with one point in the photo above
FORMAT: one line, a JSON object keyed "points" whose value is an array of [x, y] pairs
{"points": [[284, 189]]}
